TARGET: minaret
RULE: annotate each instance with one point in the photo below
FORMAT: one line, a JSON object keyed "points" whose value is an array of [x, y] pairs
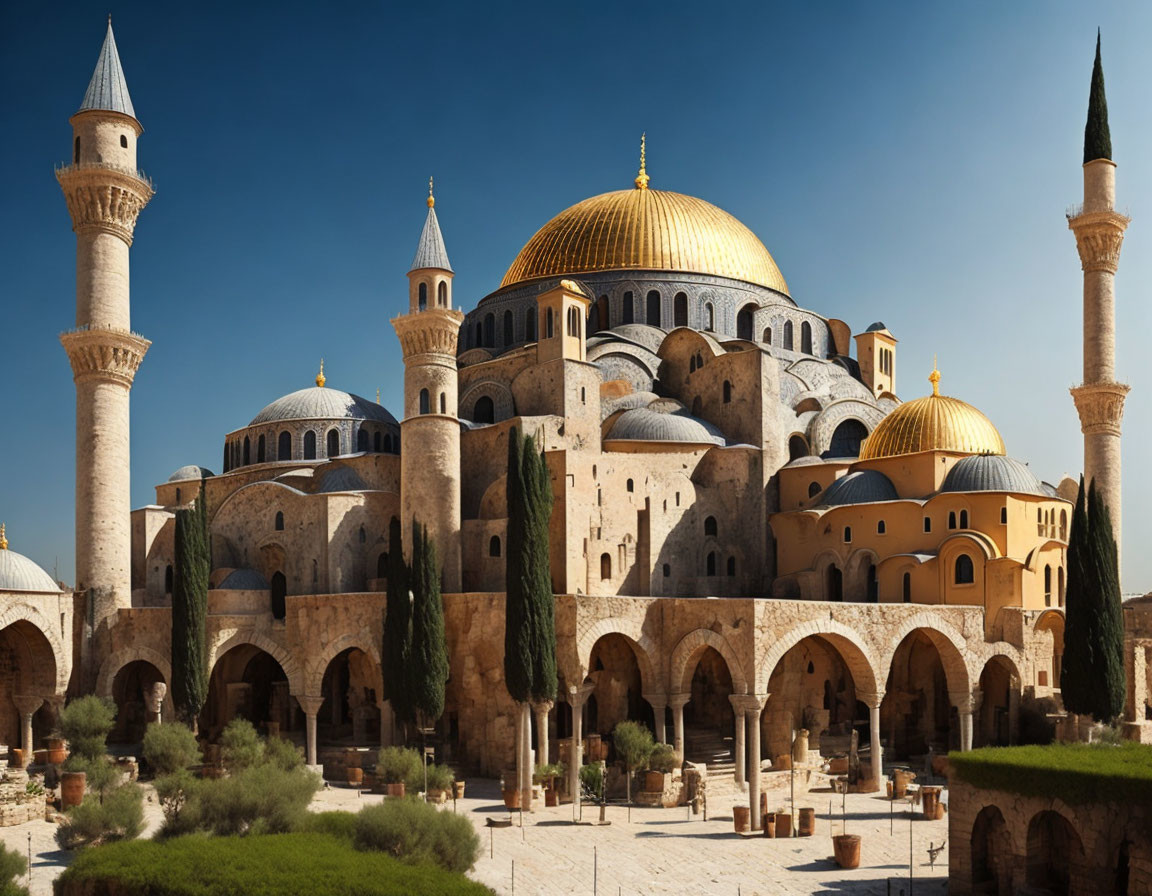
{"points": [[105, 193], [430, 431], [1099, 230]]}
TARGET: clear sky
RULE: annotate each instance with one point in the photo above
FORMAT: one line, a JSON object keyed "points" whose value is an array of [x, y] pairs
{"points": [[904, 162]]}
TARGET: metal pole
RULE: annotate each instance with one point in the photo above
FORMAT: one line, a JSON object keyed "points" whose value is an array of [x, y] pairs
{"points": [[29, 860], [595, 876], [491, 849], [910, 813], [513, 877], [792, 798]]}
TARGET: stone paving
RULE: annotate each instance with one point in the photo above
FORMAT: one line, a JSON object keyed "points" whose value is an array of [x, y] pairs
{"points": [[661, 851]]}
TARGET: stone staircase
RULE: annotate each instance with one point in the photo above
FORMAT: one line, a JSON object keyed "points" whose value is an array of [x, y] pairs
{"points": [[705, 745]]}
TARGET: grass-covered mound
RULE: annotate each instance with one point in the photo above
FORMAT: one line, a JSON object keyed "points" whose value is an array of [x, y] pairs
{"points": [[1075, 773], [257, 865]]}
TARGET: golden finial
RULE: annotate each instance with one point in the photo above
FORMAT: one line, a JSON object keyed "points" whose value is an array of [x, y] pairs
{"points": [[3, 540], [431, 198], [377, 395], [642, 178], [934, 377], [320, 379]]}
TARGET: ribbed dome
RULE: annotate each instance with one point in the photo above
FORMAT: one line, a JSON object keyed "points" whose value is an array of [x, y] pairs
{"points": [[18, 573], [244, 580], [992, 473], [861, 487], [933, 423], [191, 471], [322, 403], [646, 425], [342, 479], [646, 230]]}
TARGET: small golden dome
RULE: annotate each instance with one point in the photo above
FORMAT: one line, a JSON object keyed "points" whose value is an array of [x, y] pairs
{"points": [[933, 423], [646, 230]]}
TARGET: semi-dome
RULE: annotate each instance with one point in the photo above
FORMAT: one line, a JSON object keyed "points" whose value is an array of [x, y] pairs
{"points": [[860, 487], [648, 425], [646, 230], [322, 403], [190, 471], [933, 423], [342, 479], [18, 573], [244, 579], [992, 473]]}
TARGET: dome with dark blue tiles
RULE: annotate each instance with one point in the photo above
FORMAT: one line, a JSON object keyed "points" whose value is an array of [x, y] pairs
{"points": [[992, 473], [860, 487]]}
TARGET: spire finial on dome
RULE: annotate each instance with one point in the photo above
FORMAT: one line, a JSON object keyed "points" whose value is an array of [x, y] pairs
{"points": [[377, 395], [320, 379], [3, 540], [431, 198], [934, 377], [642, 178]]}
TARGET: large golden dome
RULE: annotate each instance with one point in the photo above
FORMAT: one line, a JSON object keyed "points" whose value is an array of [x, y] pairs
{"points": [[642, 229], [933, 423]]}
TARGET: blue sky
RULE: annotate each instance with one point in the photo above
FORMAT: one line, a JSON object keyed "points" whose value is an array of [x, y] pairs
{"points": [[904, 162]]}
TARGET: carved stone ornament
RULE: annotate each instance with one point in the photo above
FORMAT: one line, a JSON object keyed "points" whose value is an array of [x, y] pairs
{"points": [[1101, 407], [104, 354]]}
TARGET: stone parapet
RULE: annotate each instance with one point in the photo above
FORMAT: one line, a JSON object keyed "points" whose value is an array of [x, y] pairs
{"points": [[105, 198], [1099, 237], [107, 354]]}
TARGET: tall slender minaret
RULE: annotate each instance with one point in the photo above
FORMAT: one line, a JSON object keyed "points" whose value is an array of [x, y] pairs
{"points": [[105, 194], [1099, 230], [430, 431]]}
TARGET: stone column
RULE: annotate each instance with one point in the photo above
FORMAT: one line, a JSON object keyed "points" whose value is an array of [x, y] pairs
{"points": [[1013, 710], [576, 698], [526, 757], [737, 703], [311, 706], [387, 722], [873, 701], [27, 707], [677, 702], [749, 708], [542, 710], [154, 700], [658, 702]]}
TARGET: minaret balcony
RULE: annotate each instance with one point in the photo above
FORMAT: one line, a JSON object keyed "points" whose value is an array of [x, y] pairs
{"points": [[65, 169]]}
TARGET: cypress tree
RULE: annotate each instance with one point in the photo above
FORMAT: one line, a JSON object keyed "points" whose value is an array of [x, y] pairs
{"points": [[1097, 137], [517, 607], [1076, 664], [1111, 684], [397, 628], [190, 610], [538, 576], [429, 657]]}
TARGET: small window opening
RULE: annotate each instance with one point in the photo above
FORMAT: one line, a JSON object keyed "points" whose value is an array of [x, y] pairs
{"points": [[881, 528], [123, 142], [927, 524], [847, 534], [631, 486], [494, 546], [279, 521]]}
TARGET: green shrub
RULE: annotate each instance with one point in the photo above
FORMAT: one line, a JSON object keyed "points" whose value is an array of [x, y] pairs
{"points": [[283, 754], [396, 764], [13, 866], [546, 772], [664, 758], [86, 724], [341, 825], [285, 865], [172, 790], [117, 815], [440, 777], [416, 832], [101, 774], [634, 744], [592, 782], [263, 799], [169, 748], [240, 745]]}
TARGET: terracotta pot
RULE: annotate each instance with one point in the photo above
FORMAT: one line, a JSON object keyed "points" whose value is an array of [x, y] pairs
{"points": [[782, 763], [654, 782], [352, 758], [512, 798], [355, 776], [807, 822], [17, 757], [930, 799], [396, 788], [838, 765], [741, 819], [901, 778], [551, 797], [800, 746], [458, 790], [940, 810], [889, 783], [72, 788], [40, 757], [56, 755], [769, 826], [846, 848], [783, 824], [54, 743]]}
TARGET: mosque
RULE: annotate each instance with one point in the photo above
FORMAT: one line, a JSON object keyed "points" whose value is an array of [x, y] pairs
{"points": [[751, 533]]}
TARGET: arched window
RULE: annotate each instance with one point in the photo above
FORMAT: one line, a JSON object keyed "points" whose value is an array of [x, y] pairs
{"points": [[382, 565], [1063, 525], [1060, 586], [168, 579], [963, 519], [806, 338], [680, 310], [548, 326], [484, 411], [422, 301], [443, 402], [710, 563], [387, 442], [906, 588], [965, 572], [767, 340], [377, 441], [76, 152], [951, 519], [871, 585], [489, 330], [627, 309], [315, 573], [442, 294], [309, 445], [260, 452], [709, 317], [788, 335], [494, 546], [284, 448], [605, 567], [333, 443], [479, 335], [363, 535], [667, 570], [927, 524], [279, 591], [247, 452], [710, 527], [835, 583], [653, 315], [744, 322], [226, 464], [631, 486], [600, 315], [847, 438], [1003, 516], [692, 364], [881, 528], [727, 392], [362, 439], [530, 325], [847, 534], [279, 524], [813, 489], [572, 325], [178, 501], [731, 566], [508, 327], [425, 401], [1047, 586]]}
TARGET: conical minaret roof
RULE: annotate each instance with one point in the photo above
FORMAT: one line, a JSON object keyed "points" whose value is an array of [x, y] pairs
{"points": [[108, 91], [1097, 137], [430, 253]]}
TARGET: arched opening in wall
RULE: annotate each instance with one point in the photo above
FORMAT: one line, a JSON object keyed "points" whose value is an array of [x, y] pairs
{"points": [[917, 714], [731, 566], [605, 567], [443, 402], [27, 669], [362, 440], [1063, 525], [709, 721], [871, 585], [797, 447], [284, 446], [652, 315], [227, 458], [1000, 686], [76, 151], [680, 309], [278, 588], [422, 296], [508, 340], [382, 565], [906, 588], [814, 489], [484, 411], [489, 330], [965, 570], [991, 855], [530, 325], [479, 338], [709, 317], [614, 667], [603, 321], [1060, 586], [260, 450], [310, 445], [806, 337], [710, 564], [767, 336], [247, 458], [1049, 650], [248, 683], [442, 294], [349, 714], [627, 309], [788, 335], [697, 406], [333, 445], [815, 688], [727, 392], [1054, 850], [494, 546], [834, 583], [135, 692], [744, 322], [279, 522], [847, 439], [549, 323], [963, 519], [425, 401], [710, 527], [1047, 585], [573, 325]]}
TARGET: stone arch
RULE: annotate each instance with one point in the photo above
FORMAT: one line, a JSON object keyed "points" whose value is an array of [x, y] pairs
{"points": [[641, 645], [853, 649], [998, 681], [23, 612], [223, 641], [502, 402], [314, 670], [1054, 852], [122, 658], [949, 643], [681, 665]]}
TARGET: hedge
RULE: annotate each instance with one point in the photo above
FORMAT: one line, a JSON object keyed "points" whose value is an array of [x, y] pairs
{"points": [[264, 865], [1075, 773]]}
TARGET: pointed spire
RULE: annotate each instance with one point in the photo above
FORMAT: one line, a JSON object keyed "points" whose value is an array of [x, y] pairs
{"points": [[642, 178], [934, 378], [1097, 137], [3, 539], [320, 378], [430, 252], [107, 90]]}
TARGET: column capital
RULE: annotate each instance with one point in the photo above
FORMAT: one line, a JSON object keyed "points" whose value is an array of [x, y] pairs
{"points": [[1100, 406], [543, 705], [656, 699], [871, 699], [678, 701], [748, 703], [27, 705], [310, 704], [578, 693], [964, 701]]}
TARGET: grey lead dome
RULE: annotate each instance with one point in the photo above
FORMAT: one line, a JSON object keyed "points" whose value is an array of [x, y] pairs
{"points": [[18, 573], [992, 473], [861, 487], [322, 403]]}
